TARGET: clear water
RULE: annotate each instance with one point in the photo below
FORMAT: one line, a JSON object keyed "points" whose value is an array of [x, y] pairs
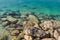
{"points": [[46, 6]]}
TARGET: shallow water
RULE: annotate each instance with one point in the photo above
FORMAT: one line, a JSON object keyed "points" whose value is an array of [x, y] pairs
{"points": [[37, 6], [48, 7]]}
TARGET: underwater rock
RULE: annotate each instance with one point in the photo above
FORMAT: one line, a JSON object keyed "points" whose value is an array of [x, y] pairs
{"points": [[12, 26], [24, 17], [3, 19], [34, 31], [36, 38], [15, 32], [49, 33], [11, 19], [27, 13], [33, 19], [12, 38], [48, 25], [57, 25], [27, 23], [19, 21], [12, 13], [5, 23], [48, 39], [20, 36], [4, 35], [56, 34], [27, 37]]}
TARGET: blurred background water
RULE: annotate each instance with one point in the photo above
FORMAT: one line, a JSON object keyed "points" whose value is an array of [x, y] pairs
{"points": [[37, 6], [46, 6]]}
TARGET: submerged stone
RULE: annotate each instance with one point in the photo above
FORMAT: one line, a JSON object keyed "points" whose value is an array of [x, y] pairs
{"points": [[15, 32], [5, 23], [27, 37], [11, 19], [33, 19], [34, 31]]}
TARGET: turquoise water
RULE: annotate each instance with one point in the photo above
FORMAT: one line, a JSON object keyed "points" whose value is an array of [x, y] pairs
{"points": [[37, 6], [45, 6]]}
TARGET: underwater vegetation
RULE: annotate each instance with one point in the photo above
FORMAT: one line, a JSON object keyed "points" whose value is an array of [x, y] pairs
{"points": [[29, 26]]}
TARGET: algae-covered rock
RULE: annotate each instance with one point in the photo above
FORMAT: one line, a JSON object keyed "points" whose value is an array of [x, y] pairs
{"points": [[11, 19]]}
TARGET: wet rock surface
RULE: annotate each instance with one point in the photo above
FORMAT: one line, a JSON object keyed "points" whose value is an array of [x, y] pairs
{"points": [[29, 27]]}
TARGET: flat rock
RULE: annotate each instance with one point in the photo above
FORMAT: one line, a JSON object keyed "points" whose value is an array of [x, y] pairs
{"points": [[11, 19]]}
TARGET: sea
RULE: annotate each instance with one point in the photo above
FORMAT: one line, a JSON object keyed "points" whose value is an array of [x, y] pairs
{"points": [[50, 7]]}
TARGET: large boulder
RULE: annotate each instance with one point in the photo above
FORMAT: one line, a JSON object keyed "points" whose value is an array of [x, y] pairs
{"points": [[27, 37]]}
